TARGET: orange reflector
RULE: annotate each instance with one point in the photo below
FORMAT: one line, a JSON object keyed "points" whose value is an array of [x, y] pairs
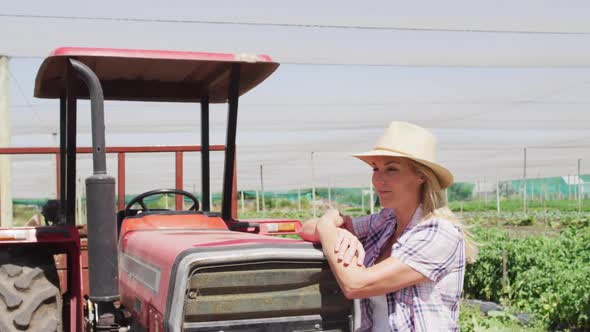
{"points": [[280, 227], [287, 227]]}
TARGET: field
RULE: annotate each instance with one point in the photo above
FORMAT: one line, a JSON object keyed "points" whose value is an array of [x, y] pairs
{"points": [[535, 265]]}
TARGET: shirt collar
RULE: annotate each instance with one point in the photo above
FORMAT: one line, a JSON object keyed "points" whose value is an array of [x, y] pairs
{"points": [[388, 215], [416, 218]]}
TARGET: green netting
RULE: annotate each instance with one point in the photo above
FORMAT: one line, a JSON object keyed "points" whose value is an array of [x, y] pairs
{"points": [[36, 202], [558, 187], [550, 188]]}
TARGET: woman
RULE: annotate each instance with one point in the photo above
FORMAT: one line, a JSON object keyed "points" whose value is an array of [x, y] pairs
{"points": [[407, 262]]}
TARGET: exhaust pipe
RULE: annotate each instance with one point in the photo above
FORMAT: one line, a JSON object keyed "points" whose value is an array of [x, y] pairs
{"points": [[100, 200]]}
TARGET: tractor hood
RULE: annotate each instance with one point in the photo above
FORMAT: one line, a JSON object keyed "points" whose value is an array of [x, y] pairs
{"points": [[149, 257], [157, 266]]}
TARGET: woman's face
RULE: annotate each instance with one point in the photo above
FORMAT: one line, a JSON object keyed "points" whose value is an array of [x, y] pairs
{"points": [[396, 181]]}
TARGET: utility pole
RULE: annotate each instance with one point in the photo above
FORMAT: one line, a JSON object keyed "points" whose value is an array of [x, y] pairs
{"points": [[362, 200], [313, 186], [485, 194], [262, 188], [5, 176], [498, 195], [569, 188], [478, 192], [579, 187], [524, 181]]}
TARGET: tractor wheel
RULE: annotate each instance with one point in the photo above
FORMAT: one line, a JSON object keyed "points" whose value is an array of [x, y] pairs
{"points": [[30, 299]]}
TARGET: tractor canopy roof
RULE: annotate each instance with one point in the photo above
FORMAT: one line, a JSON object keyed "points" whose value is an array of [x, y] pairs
{"points": [[149, 75]]}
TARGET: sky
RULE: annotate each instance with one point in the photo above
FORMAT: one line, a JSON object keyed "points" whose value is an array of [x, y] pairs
{"points": [[489, 78]]}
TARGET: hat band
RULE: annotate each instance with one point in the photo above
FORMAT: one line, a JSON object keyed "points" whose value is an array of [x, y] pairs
{"points": [[396, 151]]}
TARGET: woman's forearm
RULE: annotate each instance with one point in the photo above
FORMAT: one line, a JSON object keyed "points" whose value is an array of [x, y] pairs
{"points": [[349, 277], [324, 230]]}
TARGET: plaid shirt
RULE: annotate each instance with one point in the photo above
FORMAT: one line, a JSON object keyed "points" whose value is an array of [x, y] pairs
{"points": [[433, 247]]}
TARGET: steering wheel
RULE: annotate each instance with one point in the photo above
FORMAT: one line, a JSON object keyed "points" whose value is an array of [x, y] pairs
{"points": [[139, 198]]}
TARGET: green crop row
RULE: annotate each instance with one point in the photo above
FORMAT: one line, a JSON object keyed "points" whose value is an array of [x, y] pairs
{"points": [[548, 277]]}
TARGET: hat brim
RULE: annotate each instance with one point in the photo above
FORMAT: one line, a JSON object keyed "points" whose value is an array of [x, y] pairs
{"points": [[445, 177]]}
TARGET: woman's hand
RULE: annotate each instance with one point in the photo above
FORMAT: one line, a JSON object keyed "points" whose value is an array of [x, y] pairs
{"points": [[347, 246], [309, 231], [332, 215]]}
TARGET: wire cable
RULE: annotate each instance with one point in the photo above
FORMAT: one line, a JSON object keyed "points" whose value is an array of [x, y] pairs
{"points": [[286, 25], [391, 65]]}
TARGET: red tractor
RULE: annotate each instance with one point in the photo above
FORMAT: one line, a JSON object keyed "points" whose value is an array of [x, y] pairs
{"points": [[155, 269]]}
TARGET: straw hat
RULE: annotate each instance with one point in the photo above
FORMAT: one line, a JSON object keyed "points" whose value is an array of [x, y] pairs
{"points": [[402, 139]]}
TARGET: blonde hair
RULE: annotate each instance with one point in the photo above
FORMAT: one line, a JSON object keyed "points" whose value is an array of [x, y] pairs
{"points": [[434, 204]]}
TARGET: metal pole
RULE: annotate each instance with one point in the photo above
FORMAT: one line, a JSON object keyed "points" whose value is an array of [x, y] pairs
{"points": [[121, 180], [57, 176], [579, 187], [234, 197], [205, 160], [228, 198], [61, 187], [533, 188], [313, 187], [544, 189], [485, 194], [498, 195], [298, 199], [5, 176], [569, 188], [262, 188], [179, 179], [362, 200], [524, 181], [478, 192]]}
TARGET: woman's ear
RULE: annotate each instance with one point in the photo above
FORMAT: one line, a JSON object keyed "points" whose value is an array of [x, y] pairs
{"points": [[421, 178]]}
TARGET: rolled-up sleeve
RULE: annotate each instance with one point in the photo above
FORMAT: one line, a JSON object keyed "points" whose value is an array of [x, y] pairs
{"points": [[429, 248]]}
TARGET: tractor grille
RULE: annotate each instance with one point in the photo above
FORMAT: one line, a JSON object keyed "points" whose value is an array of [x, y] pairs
{"points": [[274, 289]]}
